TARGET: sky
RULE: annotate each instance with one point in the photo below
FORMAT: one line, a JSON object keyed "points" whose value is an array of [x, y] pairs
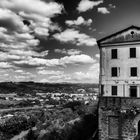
{"points": [[55, 40]]}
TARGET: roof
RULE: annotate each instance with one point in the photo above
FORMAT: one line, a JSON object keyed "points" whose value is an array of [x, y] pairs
{"points": [[130, 34]]}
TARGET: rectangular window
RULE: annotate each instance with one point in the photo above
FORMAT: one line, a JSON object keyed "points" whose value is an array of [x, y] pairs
{"points": [[113, 127], [132, 52], [102, 89], [114, 90], [114, 53], [133, 91], [114, 71], [133, 71]]}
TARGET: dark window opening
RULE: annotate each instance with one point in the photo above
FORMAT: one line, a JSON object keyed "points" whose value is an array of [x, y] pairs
{"points": [[114, 54], [102, 89], [132, 52], [114, 90], [133, 71], [133, 91], [114, 72], [139, 127]]}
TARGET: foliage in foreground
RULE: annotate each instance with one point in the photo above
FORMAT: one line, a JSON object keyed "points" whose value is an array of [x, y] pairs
{"points": [[82, 128], [79, 122]]}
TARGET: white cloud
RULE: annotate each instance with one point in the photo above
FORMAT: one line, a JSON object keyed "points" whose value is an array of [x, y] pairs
{"points": [[73, 59], [23, 54], [5, 56], [77, 59], [20, 77], [90, 76], [5, 65], [28, 77], [85, 5], [37, 12], [41, 31], [16, 38], [103, 10], [94, 67], [97, 55], [73, 36], [58, 78], [33, 6], [6, 74], [19, 71], [50, 72], [12, 21], [112, 6], [68, 52], [79, 21], [18, 42], [40, 24]]}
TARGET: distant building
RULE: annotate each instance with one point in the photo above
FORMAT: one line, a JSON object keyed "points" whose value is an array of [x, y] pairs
{"points": [[119, 104]]}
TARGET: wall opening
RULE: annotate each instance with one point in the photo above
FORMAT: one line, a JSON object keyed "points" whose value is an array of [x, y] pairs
{"points": [[132, 52], [133, 91], [114, 90], [133, 71], [114, 54], [114, 72], [139, 127]]}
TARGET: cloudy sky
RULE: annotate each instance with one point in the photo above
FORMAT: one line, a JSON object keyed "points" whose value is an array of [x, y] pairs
{"points": [[55, 40]]}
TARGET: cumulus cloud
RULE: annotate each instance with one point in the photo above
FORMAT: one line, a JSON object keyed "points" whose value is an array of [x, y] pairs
{"points": [[68, 52], [33, 6], [75, 37], [57, 78], [12, 21], [37, 12], [5, 57], [79, 21], [16, 46], [18, 78], [90, 76], [40, 25], [103, 10], [28, 53], [73, 59], [19, 40], [95, 68], [19, 71], [85, 5], [77, 59], [5, 65], [50, 72], [97, 55], [112, 6]]}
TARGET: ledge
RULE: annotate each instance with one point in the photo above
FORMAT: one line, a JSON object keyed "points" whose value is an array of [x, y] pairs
{"points": [[120, 102]]}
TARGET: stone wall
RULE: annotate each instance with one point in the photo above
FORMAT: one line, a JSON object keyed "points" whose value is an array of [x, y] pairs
{"points": [[118, 118]]}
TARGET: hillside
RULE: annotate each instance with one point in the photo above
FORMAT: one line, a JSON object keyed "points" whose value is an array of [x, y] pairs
{"points": [[32, 87]]}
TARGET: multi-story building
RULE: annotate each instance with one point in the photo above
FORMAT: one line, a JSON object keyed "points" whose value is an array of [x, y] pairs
{"points": [[119, 105]]}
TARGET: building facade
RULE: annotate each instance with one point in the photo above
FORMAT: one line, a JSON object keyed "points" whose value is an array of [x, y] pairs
{"points": [[119, 103]]}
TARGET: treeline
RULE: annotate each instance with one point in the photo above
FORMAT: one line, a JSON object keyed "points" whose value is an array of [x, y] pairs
{"points": [[31, 87]]}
